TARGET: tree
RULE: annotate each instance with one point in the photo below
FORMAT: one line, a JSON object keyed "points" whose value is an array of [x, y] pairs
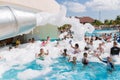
{"points": [[106, 22], [117, 20], [97, 23]]}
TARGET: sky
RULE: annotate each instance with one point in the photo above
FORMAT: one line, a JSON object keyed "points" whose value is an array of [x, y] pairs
{"points": [[97, 9]]}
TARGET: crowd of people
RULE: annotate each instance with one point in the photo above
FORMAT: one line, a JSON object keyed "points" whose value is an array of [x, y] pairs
{"points": [[89, 49]]}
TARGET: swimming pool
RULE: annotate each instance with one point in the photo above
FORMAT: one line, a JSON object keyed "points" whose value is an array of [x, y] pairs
{"points": [[100, 32], [61, 69]]}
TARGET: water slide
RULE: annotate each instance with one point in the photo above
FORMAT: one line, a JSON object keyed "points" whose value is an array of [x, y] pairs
{"points": [[14, 21], [19, 16]]}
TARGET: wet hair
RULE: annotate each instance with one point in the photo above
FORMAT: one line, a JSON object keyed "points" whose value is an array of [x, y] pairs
{"points": [[115, 43], [65, 50], [77, 45], [85, 54]]}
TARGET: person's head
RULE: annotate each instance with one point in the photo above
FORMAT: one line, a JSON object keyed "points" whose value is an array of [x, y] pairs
{"points": [[41, 50], [76, 45], [85, 54], [29, 40], [48, 37], [65, 50], [109, 59], [91, 42], [74, 58], [114, 43], [10, 48], [18, 39]]}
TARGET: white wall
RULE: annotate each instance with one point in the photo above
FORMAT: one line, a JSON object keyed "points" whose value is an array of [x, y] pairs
{"points": [[41, 32]]}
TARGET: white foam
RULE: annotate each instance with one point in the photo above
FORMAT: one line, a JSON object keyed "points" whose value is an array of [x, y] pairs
{"points": [[31, 74]]}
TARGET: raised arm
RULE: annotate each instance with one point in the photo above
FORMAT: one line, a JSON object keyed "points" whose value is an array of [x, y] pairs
{"points": [[99, 58]]}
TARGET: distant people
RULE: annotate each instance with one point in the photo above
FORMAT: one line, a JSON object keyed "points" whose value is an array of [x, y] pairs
{"points": [[115, 37], [115, 50], [109, 62], [84, 59], [42, 54], [89, 46], [18, 41], [48, 40], [57, 44], [43, 43], [76, 48], [100, 49], [10, 48], [30, 40], [33, 40]]}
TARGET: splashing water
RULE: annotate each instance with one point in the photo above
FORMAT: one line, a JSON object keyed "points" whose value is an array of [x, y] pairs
{"points": [[21, 64]]}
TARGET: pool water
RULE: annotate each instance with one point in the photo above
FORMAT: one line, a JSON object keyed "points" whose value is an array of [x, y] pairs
{"points": [[99, 32], [61, 69]]}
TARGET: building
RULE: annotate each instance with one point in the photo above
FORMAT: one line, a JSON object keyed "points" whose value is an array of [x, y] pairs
{"points": [[86, 19]]}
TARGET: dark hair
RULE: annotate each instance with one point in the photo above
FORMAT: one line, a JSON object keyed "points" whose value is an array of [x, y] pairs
{"points": [[115, 43], [65, 50], [77, 45], [85, 54]]}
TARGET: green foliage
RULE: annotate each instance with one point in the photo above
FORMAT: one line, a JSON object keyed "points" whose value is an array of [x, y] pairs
{"points": [[97, 23], [112, 22], [65, 26]]}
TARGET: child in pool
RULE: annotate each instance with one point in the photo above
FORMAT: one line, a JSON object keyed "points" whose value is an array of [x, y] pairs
{"points": [[109, 62], [73, 62], [43, 43], [65, 53], [84, 59], [42, 54]]}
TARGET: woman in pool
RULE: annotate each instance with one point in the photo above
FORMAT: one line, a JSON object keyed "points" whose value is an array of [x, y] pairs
{"points": [[42, 54], [109, 62], [84, 59]]}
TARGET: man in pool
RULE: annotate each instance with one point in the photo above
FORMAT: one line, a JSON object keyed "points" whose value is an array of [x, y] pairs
{"points": [[109, 62], [115, 50], [84, 59]]}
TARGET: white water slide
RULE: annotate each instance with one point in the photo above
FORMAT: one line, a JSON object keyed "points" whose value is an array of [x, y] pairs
{"points": [[14, 21], [19, 16]]}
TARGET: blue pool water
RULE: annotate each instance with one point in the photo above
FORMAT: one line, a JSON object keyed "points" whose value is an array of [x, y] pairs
{"points": [[64, 70]]}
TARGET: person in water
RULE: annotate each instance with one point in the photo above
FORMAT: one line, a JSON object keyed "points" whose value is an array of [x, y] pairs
{"points": [[115, 50], [84, 59], [76, 48], [42, 54], [65, 53], [109, 62], [73, 61]]}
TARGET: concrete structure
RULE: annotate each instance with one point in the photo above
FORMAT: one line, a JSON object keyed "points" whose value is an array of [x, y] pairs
{"points": [[41, 32]]}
